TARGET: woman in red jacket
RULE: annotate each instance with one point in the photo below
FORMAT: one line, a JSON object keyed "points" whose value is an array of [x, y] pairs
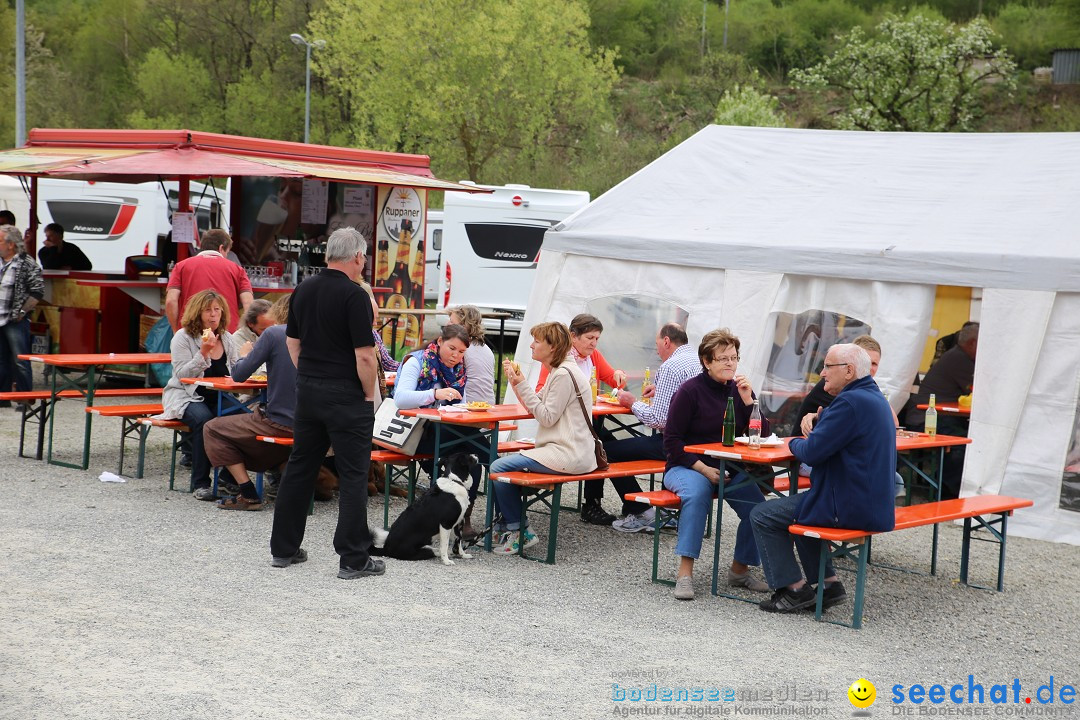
{"points": [[585, 332]]}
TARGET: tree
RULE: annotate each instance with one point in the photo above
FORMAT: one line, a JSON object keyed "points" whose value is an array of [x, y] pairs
{"points": [[917, 74], [468, 82], [746, 106]]}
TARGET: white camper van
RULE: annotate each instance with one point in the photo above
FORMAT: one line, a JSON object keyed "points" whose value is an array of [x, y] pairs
{"points": [[432, 250], [111, 221], [491, 244]]}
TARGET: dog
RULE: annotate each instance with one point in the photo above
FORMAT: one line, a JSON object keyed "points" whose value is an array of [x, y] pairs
{"points": [[431, 519]]}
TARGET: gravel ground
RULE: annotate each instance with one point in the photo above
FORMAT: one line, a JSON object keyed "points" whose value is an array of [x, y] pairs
{"points": [[131, 601]]}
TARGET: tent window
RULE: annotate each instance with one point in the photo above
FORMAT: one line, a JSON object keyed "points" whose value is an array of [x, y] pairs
{"points": [[800, 343], [1070, 478], [630, 324]]}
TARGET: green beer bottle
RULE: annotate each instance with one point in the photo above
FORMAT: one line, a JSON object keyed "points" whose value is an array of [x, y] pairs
{"points": [[728, 436]]}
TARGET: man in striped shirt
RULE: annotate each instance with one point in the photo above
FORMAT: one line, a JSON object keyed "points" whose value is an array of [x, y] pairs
{"points": [[680, 363]]}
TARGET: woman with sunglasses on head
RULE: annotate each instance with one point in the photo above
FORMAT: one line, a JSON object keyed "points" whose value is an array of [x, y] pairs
{"points": [[697, 416]]}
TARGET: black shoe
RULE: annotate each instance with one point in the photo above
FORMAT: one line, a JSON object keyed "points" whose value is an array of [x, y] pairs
{"points": [[284, 562], [785, 600], [834, 595], [372, 567], [185, 459], [594, 514]]}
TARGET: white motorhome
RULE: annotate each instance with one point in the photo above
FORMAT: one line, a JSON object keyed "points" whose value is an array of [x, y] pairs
{"points": [[111, 221], [491, 244], [432, 252]]}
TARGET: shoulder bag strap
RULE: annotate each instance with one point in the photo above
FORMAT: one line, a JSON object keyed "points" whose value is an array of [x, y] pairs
{"points": [[588, 420]]}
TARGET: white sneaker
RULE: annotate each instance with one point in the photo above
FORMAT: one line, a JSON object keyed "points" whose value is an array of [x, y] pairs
{"points": [[508, 543], [642, 522]]}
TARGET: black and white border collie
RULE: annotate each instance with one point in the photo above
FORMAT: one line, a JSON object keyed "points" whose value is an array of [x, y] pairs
{"points": [[432, 519]]}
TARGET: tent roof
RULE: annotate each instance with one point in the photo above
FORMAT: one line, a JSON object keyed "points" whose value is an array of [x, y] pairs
{"points": [[146, 155], [979, 210]]}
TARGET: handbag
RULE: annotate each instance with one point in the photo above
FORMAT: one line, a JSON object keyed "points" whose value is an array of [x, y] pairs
{"points": [[396, 431], [598, 447]]}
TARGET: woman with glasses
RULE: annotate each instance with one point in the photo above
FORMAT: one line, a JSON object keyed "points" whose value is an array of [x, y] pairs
{"points": [[697, 416]]}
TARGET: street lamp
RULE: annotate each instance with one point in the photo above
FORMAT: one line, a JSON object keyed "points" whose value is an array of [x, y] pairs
{"points": [[298, 39]]}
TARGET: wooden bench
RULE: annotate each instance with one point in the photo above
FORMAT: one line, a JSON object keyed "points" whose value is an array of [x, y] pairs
{"points": [[129, 415], [40, 413], [856, 543], [177, 427], [546, 489], [667, 505]]}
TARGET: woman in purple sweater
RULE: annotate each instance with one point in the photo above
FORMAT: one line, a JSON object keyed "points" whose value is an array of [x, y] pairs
{"points": [[697, 416]]}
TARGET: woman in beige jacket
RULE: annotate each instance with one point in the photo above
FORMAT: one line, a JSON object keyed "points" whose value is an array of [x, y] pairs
{"points": [[564, 442]]}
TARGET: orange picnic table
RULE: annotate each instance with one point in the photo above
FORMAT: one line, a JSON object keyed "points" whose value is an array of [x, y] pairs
{"points": [[69, 372]]}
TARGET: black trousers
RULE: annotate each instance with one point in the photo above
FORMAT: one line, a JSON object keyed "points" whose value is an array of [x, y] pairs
{"points": [[328, 413], [650, 447]]}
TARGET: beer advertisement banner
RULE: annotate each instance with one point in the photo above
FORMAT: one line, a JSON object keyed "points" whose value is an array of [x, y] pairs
{"points": [[399, 259]]}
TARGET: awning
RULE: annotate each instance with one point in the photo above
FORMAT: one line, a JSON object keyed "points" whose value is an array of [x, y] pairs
{"points": [[149, 155]]}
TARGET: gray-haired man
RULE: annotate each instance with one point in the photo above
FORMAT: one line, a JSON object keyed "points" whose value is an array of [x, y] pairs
{"points": [[330, 342], [21, 287]]}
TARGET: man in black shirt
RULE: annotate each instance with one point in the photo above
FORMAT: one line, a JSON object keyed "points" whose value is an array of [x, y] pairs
{"points": [[60, 255], [330, 341]]}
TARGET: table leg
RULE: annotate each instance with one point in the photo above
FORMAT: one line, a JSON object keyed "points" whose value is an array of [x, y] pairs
{"points": [[940, 483], [52, 415], [719, 523], [91, 379]]}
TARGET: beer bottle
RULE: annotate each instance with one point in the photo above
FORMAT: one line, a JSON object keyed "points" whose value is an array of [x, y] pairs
{"points": [[592, 384], [644, 384], [931, 417], [728, 436]]}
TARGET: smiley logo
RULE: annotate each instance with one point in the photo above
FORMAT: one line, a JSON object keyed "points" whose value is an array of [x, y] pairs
{"points": [[862, 693]]}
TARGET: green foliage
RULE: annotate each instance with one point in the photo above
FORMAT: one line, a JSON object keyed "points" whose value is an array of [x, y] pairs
{"points": [[513, 80], [648, 35], [176, 91], [916, 74], [747, 107], [1031, 32]]}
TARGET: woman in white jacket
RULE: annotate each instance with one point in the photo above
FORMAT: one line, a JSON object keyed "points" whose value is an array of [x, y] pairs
{"points": [[564, 441], [200, 348]]}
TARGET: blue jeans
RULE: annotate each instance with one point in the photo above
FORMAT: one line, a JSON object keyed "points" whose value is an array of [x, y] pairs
{"points": [[197, 414], [507, 496], [696, 493], [15, 341], [770, 522]]}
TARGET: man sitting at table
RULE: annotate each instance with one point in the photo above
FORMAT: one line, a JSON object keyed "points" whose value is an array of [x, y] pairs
{"points": [[949, 378], [60, 255], [680, 363], [853, 453], [230, 440]]}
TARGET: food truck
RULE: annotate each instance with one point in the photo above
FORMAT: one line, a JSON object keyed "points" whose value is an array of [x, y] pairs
{"points": [[283, 200]]}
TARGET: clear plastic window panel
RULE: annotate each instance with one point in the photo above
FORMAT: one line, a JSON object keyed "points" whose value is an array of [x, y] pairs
{"points": [[1070, 477], [630, 325], [800, 343]]}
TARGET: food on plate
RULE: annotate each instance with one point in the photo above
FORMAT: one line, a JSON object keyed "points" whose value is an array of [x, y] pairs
{"points": [[478, 405], [257, 378]]}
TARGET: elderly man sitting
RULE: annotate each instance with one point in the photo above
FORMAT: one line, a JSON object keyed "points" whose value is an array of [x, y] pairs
{"points": [[230, 440], [853, 453]]}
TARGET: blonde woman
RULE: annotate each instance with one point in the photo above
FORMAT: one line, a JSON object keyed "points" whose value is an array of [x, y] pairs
{"points": [[202, 347], [479, 359], [564, 441]]}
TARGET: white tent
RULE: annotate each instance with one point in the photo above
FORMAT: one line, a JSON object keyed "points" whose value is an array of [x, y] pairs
{"points": [[14, 198], [744, 227]]}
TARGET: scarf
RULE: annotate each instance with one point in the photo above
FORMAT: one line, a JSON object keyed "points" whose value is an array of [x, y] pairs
{"points": [[433, 371]]}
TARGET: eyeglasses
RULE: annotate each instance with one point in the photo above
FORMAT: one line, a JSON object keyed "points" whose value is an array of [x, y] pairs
{"points": [[727, 360], [832, 365]]}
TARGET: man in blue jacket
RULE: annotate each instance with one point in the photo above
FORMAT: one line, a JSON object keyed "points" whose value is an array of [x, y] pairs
{"points": [[853, 452]]}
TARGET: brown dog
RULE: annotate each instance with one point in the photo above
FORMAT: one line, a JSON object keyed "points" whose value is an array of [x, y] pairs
{"points": [[327, 483]]}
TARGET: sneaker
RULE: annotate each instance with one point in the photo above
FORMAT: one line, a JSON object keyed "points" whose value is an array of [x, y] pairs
{"points": [[786, 600], [205, 493], [508, 543], [185, 459], [284, 562], [594, 514], [371, 567], [834, 594], [642, 522], [684, 588], [747, 581]]}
